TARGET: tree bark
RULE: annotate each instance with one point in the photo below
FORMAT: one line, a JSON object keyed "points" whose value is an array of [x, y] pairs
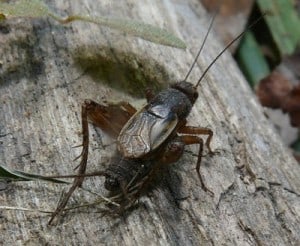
{"points": [[46, 72]]}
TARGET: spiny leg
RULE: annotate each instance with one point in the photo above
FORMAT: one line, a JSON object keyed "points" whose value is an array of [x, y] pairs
{"points": [[110, 119], [82, 166], [189, 140], [127, 194], [192, 130], [135, 191]]}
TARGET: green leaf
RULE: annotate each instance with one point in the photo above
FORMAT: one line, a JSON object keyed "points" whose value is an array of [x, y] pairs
{"points": [[24, 8], [15, 175], [251, 60], [283, 22], [36, 8], [134, 28]]}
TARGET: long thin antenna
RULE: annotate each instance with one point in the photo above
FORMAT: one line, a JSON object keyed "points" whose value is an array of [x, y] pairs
{"points": [[228, 45], [202, 45]]}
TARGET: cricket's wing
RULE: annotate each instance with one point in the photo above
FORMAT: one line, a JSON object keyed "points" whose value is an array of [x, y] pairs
{"points": [[145, 131]]}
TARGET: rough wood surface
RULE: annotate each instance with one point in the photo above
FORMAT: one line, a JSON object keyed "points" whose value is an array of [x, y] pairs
{"points": [[47, 70]]}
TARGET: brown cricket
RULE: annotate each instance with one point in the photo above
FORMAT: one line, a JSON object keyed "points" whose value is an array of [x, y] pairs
{"points": [[146, 139]]}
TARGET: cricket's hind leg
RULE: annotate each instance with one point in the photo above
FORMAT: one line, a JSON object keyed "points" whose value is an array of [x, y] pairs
{"points": [[110, 118]]}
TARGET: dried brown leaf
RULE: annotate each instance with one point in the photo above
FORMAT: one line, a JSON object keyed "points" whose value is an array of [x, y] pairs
{"points": [[291, 105], [273, 89]]}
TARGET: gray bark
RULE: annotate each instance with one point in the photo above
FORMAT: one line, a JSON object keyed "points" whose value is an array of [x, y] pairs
{"points": [[47, 70]]}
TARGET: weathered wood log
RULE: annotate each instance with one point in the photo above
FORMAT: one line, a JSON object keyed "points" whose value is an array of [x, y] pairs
{"points": [[46, 72]]}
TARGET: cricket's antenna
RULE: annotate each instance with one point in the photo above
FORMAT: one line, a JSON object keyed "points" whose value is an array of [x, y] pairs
{"points": [[228, 45], [202, 45]]}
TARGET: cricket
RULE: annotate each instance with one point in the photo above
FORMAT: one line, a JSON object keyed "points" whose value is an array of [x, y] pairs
{"points": [[147, 138]]}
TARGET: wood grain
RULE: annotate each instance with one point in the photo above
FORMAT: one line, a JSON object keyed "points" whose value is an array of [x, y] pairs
{"points": [[47, 70]]}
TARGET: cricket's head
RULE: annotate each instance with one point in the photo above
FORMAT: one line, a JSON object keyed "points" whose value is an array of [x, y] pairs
{"points": [[188, 89]]}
